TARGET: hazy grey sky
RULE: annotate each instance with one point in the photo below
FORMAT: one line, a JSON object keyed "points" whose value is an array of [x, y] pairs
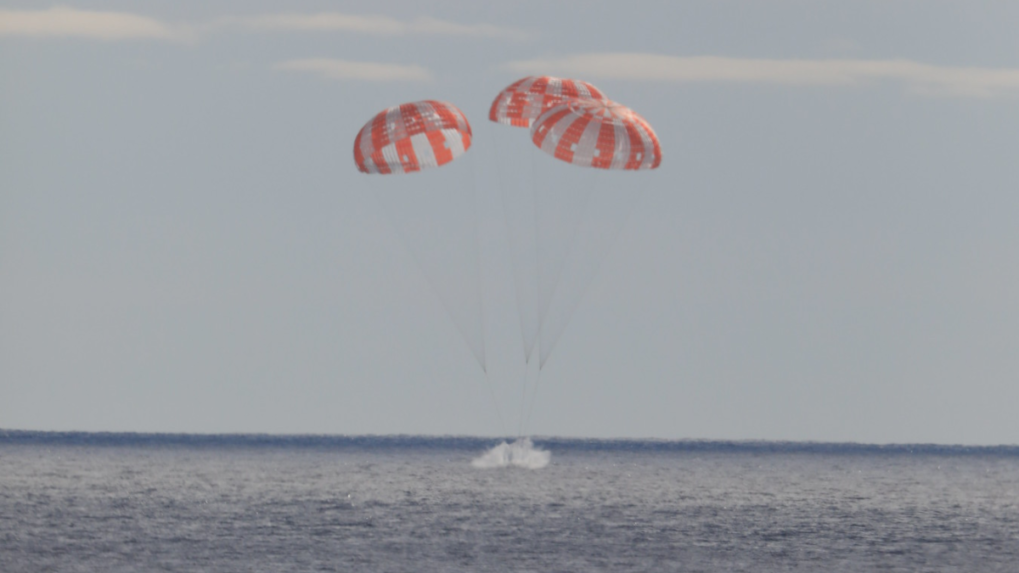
{"points": [[830, 250]]}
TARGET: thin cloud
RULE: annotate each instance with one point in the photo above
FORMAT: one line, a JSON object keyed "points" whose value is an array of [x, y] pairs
{"points": [[63, 22], [364, 71], [378, 25], [919, 78]]}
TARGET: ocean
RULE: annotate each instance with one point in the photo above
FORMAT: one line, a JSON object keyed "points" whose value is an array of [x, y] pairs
{"points": [[142, 502]]}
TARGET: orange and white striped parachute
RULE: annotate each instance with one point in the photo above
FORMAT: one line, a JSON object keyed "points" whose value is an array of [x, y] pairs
{"points": [[601, 134], [411, 137], [525, 99], [428, 212]]}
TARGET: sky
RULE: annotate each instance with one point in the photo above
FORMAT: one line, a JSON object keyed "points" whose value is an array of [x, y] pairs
{"points": [[828, 252]]}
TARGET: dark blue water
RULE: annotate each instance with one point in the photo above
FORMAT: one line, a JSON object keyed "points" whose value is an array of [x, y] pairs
{"points": [[125, 502]]}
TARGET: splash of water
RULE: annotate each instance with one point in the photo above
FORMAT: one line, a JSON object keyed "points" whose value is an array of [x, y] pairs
{"points": [[520, 453]]}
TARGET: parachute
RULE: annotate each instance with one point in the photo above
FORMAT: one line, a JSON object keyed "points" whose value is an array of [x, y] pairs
{"points": [[600, 134], [540, 223], [561, 221], [434, 214], [410, 137], [604, 135], [575, 122]]}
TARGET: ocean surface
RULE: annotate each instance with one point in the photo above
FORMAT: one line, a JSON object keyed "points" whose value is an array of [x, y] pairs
{"points": [[132, 502]]}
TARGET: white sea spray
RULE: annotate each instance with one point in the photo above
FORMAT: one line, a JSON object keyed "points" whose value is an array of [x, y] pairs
{"points": [[520, 453]]}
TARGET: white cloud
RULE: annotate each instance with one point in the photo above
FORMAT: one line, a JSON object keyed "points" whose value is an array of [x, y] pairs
{"points": [[378, 25], [348, 70], [62, 22], [920, 78]]}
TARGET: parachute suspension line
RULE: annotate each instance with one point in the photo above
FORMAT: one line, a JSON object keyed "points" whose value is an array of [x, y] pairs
{"points": [[506, 219], [421, 267], [495, 402], [507, 187], [481, 295], [537, 286], [584, 213], [525, 385], [534, 392], [537, 259], [627, 209], [523, 400], [477, 254]]}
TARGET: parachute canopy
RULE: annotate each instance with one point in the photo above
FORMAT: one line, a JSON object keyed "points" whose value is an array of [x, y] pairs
{"points": [[593, 133], [411, 137], [525, 99]]}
